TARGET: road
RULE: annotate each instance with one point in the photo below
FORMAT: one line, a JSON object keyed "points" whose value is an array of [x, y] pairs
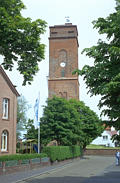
{"points": [[91, 169]]}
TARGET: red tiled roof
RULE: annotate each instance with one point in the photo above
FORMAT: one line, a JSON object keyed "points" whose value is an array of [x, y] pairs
{"points": [[112, 133]]}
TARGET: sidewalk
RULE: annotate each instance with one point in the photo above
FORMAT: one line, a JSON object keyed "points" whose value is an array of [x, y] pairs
{"points": [[92, 169], [15, 177]]}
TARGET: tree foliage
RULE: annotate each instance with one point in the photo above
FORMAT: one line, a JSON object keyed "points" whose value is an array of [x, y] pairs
{"points": [[91, 126], [58, 121], [103, 78], [31, 133], [22, 107], [69, 122], [20, 39]]}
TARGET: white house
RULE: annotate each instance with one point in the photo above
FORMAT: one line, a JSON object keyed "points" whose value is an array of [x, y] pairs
{"points": [[105, 139]]}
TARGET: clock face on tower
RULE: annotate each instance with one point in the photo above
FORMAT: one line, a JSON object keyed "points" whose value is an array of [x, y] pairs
{"points": [[62, 64]]}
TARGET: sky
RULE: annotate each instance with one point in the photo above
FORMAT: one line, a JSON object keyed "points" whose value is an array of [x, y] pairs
{"points": [[81, 13]]}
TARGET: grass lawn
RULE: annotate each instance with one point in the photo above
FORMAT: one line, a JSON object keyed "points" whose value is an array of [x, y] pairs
{"points": [[93, 146]]}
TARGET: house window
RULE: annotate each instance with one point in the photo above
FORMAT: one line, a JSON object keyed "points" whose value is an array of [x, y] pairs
{"points": [[5, 108], [4, 141], [105, 137]]}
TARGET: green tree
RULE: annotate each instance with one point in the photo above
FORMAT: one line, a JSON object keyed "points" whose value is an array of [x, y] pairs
{"points": [[31, 133], [103, 78], [58, 121], [69, 122], [89, 122], [22, 108], [20, 39]]}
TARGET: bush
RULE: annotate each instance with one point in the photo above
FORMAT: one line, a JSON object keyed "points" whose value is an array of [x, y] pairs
{"points": [[21, 156], [62, 152]]}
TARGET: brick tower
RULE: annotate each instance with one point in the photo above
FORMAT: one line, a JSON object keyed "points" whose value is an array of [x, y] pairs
{"points": [[63, 60]]}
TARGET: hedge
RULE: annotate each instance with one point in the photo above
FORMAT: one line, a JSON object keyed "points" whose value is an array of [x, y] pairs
{"points": [[62, 152], [21, 156]]}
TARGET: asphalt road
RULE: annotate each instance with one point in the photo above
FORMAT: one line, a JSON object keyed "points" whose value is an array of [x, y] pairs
{"points": [[92, 169]]}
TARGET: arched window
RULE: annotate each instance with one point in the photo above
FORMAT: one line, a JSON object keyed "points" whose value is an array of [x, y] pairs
{"points": [[5, 108], [4, 141], [62, 55]]}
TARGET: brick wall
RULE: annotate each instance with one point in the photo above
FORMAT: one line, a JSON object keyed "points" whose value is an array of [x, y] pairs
{"points": [[63, 47], [64, 88], [10, 124], [71, 49], [23, 167], [101, 152]]}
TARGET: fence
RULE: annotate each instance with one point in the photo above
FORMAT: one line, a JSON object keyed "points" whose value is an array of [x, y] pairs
{"points": [[7, 167]]}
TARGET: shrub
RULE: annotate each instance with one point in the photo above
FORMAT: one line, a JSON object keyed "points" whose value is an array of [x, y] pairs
{"points": [[21, 156], [62, 152]]}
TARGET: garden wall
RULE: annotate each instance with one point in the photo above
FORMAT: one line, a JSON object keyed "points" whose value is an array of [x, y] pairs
{"points": [[101, 152], [7, 167]]}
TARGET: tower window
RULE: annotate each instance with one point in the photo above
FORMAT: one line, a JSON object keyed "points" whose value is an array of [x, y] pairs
{"points": [[70, 31], [63, 94], [62, 73], [62, 56], [53, 32]]}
